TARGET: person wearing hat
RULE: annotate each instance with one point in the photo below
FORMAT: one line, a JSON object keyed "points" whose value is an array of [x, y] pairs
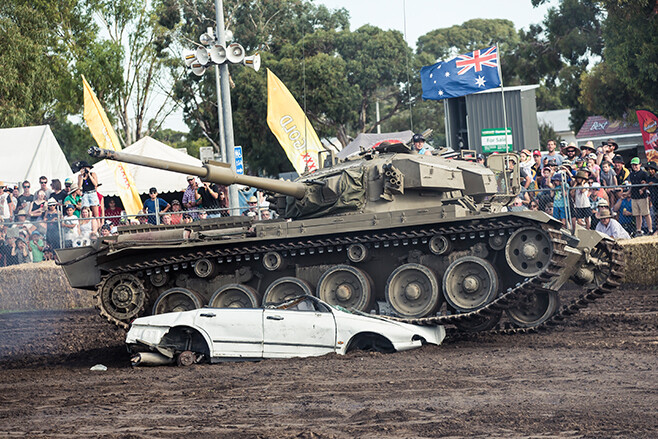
{"points": [[252, 202], [582, 207], [52, 224], [88, 183], [176, 216], [74, 198], [571, 151], [20, 251], [155, 206], [36, 246], [594, 168], [70, 226], [620, 169], [480, 159], [7, 202], [610, 226], [623, 209], [68, 182], [587, 148], [639, 196], [419, 145]]}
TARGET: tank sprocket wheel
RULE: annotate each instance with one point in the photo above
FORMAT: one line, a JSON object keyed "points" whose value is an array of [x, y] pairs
{"points": [[412, 290], [177, 299], [121, 297], [533, 309], [346, 286], [529, 251]]}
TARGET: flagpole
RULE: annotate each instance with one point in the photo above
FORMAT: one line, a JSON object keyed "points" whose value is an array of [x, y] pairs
{"points": [[502, 93]]}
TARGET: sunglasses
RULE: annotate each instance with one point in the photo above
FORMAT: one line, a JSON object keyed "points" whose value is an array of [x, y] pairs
{"points": [[26, 187]]}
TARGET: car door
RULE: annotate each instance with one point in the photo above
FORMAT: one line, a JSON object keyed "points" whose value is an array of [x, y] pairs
{"points": [[235, 332], [308, 331]]}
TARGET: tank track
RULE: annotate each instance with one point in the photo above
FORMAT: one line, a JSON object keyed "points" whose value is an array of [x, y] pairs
{"points": [[410, 235], [529, 286]]}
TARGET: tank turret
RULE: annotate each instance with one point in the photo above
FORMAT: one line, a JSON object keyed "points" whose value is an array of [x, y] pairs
{"points": [[390, 177], [421, 237]]}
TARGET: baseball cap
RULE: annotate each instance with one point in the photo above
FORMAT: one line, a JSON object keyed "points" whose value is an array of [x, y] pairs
{"points": [[153, 191], [52, 202], [635, 161], [68, 181], [592, 156], [418, 138], [526, 152], [536, 153], [480, 157], [617, 159]]}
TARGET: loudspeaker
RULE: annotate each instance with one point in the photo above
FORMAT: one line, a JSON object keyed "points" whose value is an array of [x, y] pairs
{"points": [[189, 56], [235, 53], [202, 55], [252, 61], [198, 69], [218, 53]]}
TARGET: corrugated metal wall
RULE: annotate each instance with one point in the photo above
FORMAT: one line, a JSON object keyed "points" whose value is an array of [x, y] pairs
{"points": [[485, 111]]}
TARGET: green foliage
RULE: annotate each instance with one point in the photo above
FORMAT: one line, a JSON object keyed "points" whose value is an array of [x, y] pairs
{"points": [[546, 133], [74, 139]]}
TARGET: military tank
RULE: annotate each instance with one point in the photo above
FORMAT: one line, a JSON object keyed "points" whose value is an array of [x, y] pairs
{"points": [[423, 238]]}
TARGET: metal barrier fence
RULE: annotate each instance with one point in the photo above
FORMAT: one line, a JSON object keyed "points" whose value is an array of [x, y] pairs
{"points": [[19, 243]]}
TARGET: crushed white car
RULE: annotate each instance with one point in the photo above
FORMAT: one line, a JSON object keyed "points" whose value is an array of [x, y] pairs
{"points": [[301, 327]]}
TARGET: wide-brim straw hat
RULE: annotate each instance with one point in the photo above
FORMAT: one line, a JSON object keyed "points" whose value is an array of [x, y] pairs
{"points": [[604, 213]]}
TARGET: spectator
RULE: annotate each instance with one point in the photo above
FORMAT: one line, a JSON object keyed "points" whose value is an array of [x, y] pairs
{"points": [[39, 207], [534, 205], [106, 230], [265, 214], [203, 214], [7, 202], [610, 226], [253, 207], [544, 186], [20, 251], [187, 218], [88, 226], [587, 149], [624, 209], [67, 185], [560, 188], [52, 224], [88, 182], [189, 197], [113, 212], [166, 219], [620, 170], [571, 152], [36, 247], [582, 206], [74, 198], [176, 216], [43, 187], [480, 159], [536, 167], [26, 198], [607, 151], [609, 178], [207, 196], [154, 206], [57, 193], [223, 200], [640, 196], [551, 155], [652, 169], [516, 206], [21, 217], [70, 226], [594, 169]]}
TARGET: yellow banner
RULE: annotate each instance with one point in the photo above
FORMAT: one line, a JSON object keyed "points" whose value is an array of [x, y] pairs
{"points": [[106, 138], [291, 127]]}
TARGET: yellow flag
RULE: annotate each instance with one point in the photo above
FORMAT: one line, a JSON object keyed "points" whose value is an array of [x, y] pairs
{"points": [[106, 138], [291, 126]]}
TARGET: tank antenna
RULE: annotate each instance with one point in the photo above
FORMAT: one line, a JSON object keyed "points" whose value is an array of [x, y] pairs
{"points": [[404, 15]]}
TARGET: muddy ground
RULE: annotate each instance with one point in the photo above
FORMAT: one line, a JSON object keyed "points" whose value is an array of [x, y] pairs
{"points": [[593, 377]]}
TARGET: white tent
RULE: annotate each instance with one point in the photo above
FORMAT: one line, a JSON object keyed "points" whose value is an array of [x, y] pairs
{"points": [[30, 152], [144, 177]]}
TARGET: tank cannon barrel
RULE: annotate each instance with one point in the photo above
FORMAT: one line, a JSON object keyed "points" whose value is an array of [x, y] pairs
{"points": [[216, 172]]}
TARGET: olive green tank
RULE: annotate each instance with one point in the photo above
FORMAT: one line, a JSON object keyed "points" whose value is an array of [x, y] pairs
{"points": [[422, 238]]}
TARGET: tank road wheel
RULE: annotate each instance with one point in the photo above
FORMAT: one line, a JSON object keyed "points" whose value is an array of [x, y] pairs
{"points": [[470, 283], [122, 296], [176, 300], [346, 286], [534, 309], [479, 323], [235, 296], [285, 288], [412, 290], [528, 251]]}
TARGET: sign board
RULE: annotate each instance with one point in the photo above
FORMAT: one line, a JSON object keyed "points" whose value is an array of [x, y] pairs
{"points": [[239, 166], [206, 153], [493, 140]]}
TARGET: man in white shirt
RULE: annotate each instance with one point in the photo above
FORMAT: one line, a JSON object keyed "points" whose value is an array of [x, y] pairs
{"points": [[610, 226]]}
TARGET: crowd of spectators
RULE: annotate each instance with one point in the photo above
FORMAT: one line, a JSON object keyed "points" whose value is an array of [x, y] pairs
{"points": [[34, 224], [591, 186]]}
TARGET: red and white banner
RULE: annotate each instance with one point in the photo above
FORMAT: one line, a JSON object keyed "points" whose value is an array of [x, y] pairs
{"points": [[649, 128]]}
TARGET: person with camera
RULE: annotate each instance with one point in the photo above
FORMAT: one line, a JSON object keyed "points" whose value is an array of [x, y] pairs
{"points": [[7, 202], [20, 251], [88, 182], [207, 196]]}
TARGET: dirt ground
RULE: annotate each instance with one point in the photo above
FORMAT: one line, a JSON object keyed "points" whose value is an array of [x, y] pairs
{"points": [[593, 377]]}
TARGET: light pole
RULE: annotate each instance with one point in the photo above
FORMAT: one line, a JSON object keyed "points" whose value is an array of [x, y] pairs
{"points": [[217, 53]]}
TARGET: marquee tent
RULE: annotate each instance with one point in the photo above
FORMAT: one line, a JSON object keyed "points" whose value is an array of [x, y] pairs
{"points": [[370, 140], [30, 152], [144, 177]]}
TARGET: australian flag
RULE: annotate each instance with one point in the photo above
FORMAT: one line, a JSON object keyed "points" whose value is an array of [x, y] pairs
{"points": [[462, 75]]}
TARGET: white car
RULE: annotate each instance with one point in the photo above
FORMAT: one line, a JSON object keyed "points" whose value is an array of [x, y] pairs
{"points": [[300, 327]]}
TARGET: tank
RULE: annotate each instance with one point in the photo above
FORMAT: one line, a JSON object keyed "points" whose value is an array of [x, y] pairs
{"points": [[422, 238]]}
